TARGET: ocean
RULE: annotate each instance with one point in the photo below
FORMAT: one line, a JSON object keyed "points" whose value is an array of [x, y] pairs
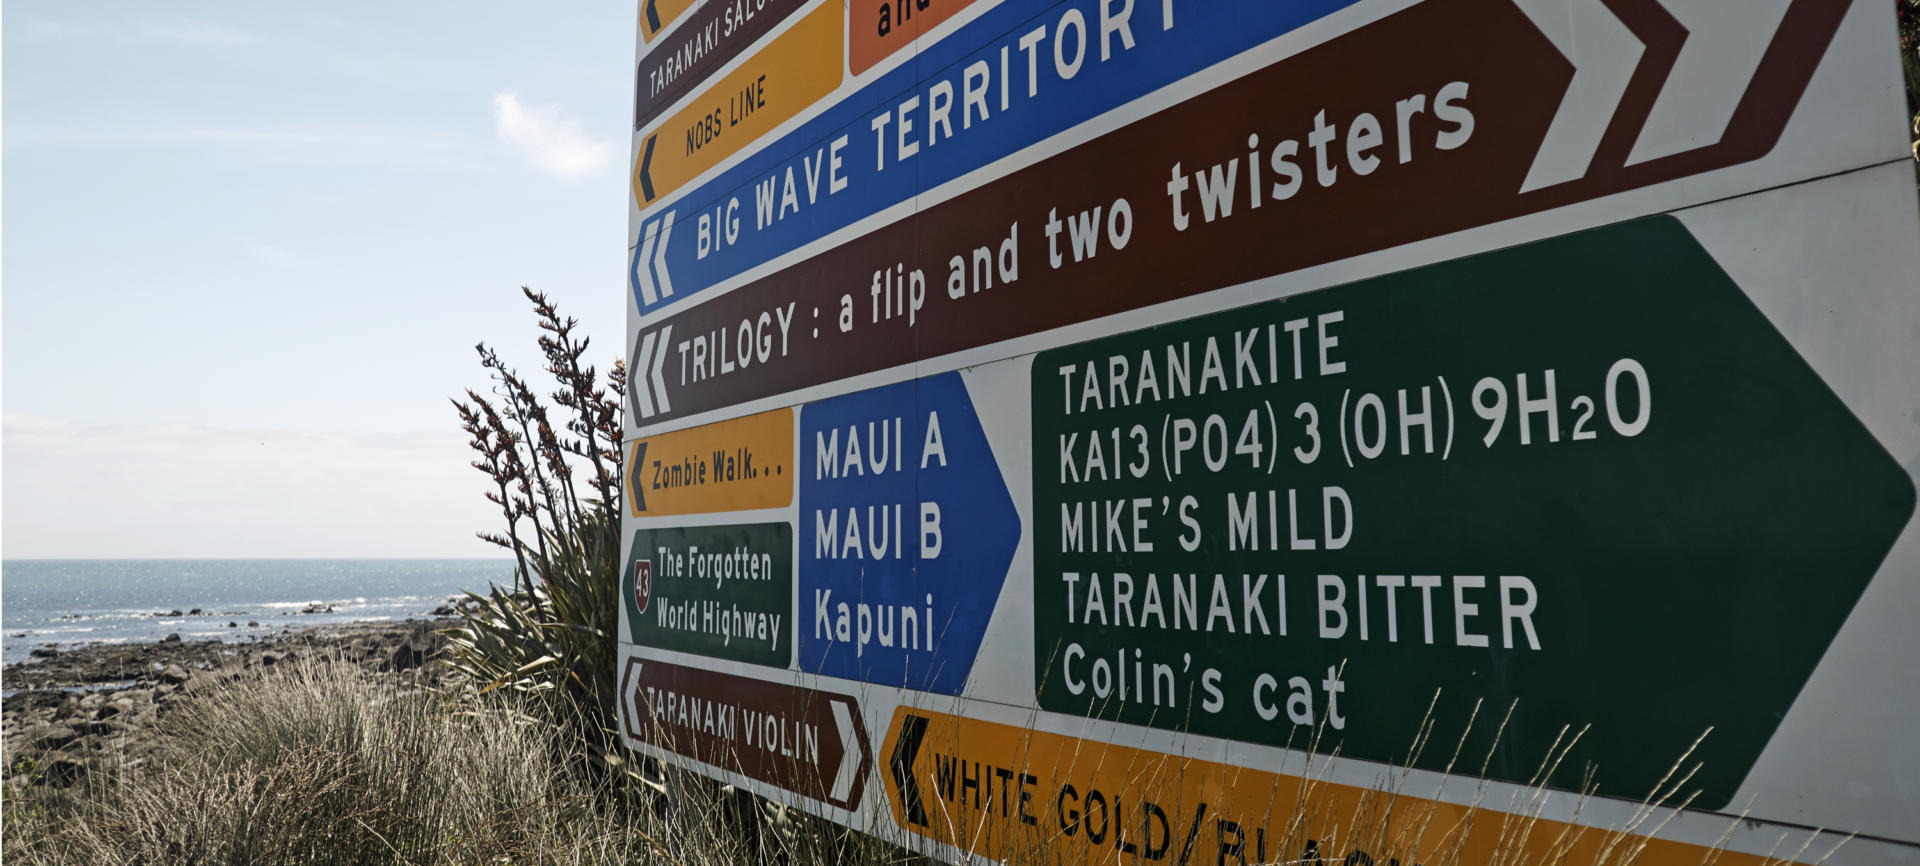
{"points": [[73, 602]]}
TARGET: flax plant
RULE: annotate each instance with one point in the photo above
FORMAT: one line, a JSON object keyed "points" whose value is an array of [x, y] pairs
{"points": [[554, 464]]}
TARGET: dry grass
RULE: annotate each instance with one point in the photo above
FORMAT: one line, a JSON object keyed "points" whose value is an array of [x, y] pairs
{"points": [[320, 762], [324, 764]]}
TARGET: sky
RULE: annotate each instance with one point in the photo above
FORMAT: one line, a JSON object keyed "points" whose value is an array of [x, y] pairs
{"points": [[248, 248]]}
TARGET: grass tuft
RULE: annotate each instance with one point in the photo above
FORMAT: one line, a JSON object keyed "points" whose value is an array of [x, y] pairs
{"points": [[326, 764]]}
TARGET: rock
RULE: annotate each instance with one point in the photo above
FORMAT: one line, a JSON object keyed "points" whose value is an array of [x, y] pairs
{"points": [[405, 657], [172, 638], [253, 623], [54, 737], [62, 770], [72, 703], [44, 652], [232, 624], [443, 610], [196, 612]]}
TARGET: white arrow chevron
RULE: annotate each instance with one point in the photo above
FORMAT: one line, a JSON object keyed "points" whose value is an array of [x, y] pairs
{"points": [[630, 697], [1722, 51], [643, 265], [1604, 54], [660, 366], [643, 361], [660, 256], [849, 753], [650, 266]]}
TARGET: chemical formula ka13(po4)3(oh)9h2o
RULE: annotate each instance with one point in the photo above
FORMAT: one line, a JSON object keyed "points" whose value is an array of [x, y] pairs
{"points": [[1166, 431]]}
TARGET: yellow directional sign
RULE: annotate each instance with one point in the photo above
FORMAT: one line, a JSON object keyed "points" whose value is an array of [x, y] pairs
{"points": [[1019, 795], [798, 68], [737, 465], [655, 15]]}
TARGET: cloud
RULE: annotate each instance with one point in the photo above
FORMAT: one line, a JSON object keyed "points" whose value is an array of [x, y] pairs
{"points": [[550, 139], [74, 489], [182, 32]]}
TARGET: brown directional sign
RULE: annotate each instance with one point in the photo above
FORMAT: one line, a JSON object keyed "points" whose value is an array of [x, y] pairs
{"points": [[810, 742], [716, 34], [1413, 127]]}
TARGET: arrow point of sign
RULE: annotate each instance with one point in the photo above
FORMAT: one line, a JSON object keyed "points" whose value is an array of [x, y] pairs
{"points": [[642, 398], [653, 16], [643, 263], [1604, 54], [644, 174], [659, 367], [634, 487], [850, 757], [660, 256], [1711, 75], [630, 697], [913, 729]]}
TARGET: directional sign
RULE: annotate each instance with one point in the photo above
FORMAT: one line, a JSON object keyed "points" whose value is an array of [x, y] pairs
{"points": [[1263, 522], [716, 34], [1447, 135], [1015, 794], [799, 66], [808, 742], [1181, 203], [1390, 432], [721, 591], [736, 465], [1019, 72], [877, 30], [907, 533]]}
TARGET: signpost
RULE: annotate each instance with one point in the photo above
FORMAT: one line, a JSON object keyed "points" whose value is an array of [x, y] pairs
{"points": [[1011, 793], [1246, 431], [799, 740], [909, 533], [1426, 477]]}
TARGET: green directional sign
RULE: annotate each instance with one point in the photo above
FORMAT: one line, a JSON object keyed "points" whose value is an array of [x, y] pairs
{"points": [[721, 591], [1585, 480]]}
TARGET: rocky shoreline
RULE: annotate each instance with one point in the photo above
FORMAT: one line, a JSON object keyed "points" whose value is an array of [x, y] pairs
{"points": [[69, 712]]}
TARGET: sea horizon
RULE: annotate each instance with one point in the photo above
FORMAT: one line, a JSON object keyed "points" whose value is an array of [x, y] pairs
{"points": [[63, 602]]}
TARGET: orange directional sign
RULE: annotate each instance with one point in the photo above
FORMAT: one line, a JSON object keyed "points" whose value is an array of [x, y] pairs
{"points": [[798, 68], [1016, 794], [879, 29], [736, 465]]}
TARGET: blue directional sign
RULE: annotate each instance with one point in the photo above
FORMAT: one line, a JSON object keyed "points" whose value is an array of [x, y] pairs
{"points": [[1023, 71], [906, 533]]}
